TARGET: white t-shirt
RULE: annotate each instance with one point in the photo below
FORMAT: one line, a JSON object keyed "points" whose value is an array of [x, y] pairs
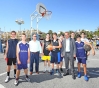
{"points": [[68, 45], [84, 40], [35, 46]]}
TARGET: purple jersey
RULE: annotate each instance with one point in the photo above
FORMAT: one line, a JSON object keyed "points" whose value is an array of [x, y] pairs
{"points": [[23, 53], [80, 51]]}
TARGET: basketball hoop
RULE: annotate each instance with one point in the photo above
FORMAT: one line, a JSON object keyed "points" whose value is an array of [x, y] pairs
{"points": [[47, 14]]}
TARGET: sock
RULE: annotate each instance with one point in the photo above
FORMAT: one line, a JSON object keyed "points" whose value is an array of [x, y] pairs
{"points": [[45, 68], [26, 76], [14, 71], [49, 68], [52, 69], [8, 73], [17, 78]]}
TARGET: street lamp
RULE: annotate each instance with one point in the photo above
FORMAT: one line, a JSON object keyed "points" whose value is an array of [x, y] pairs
{"points": [[19, 22]]}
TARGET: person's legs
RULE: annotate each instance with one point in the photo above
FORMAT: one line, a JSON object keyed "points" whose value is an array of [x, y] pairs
{"points": [[14, 66], [9, 63], [61, 64], [26, 74], [52, 63], [85, 69], [85, 72], [31, 63], [66, 58], [78, 67], [37, 62], [79, 73], [49, 65], [72, 67], [19, 67], [45, 66]]}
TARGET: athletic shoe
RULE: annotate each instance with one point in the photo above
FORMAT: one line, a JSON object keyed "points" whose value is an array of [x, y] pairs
{"points": [[79, 75], [61, 69], [16, 82], [27, 79], [7, 79], [85, 78], [44, 71], [59, 73], [52, 72], [49, 71]]}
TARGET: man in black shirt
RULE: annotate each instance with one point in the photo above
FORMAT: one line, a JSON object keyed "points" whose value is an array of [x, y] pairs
{"points": [[55, 54], [46, 52]]}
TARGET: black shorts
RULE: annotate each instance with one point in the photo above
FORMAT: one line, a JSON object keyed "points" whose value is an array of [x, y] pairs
{"points": [[97, 45], [11, 60]]}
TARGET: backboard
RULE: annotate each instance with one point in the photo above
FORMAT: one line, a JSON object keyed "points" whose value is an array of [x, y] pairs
{"points": [[41, 9]]}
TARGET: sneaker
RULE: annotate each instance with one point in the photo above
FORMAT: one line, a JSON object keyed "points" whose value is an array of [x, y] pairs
{"points": [[44, 71], [79, 75], [49, 71], [27, 79], [58, 72], [61, 69], [16, 82], [7, 79], [85, 78], [52, 72]]}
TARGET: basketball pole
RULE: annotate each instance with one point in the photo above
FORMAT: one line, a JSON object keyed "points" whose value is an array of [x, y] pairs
{"points": [[38, 19], [33, 16]]}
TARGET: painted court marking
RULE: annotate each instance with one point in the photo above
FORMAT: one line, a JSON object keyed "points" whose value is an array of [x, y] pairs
{"points": [[4, 73], [1, 86]]}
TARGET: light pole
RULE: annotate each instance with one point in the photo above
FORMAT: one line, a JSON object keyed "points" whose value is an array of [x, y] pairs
{"points": [[19, 22]]}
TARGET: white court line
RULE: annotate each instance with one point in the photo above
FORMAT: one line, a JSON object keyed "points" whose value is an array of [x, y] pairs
{"points": [[1, 86], [4, 73]]}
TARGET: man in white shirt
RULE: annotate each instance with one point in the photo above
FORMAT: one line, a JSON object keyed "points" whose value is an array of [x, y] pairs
{"points": [[83, 39], [35, 51]]}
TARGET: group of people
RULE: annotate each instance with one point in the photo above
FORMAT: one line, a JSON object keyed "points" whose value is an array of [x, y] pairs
{"points": [[20, 53]]}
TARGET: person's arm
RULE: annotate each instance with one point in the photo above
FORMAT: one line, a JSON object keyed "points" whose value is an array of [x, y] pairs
{"points": [[74, 45], [6, 50], [93, 51], [28, 55], [17, 54], [62, 49], [40, 49]]}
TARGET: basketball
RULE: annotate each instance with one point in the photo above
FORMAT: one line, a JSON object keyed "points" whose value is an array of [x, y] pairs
{"points": [[50, 47], [87, 48]]}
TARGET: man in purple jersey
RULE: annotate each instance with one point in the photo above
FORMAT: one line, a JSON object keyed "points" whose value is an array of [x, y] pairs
{"points": [[23, 58]]}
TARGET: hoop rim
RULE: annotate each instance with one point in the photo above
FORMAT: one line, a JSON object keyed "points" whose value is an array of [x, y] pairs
{"points": [[46, 13]]}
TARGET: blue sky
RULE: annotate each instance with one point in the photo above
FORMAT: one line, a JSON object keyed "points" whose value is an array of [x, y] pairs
{"points": [[66, 14]]}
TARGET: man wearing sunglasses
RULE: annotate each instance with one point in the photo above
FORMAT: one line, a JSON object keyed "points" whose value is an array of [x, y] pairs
{"points": [[35, 51]]}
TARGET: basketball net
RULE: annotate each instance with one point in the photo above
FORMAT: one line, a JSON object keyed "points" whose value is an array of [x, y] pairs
{"points": [[47, 14]]}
